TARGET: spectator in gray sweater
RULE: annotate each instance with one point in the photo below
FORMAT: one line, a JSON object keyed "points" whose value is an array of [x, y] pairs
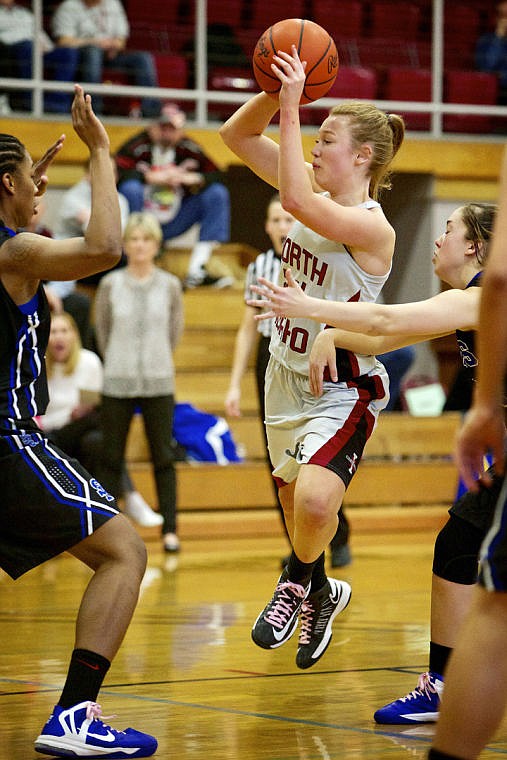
{"points": [[138, 322]]}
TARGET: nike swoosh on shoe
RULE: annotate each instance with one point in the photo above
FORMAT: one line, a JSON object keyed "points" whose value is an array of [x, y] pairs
{"points": [[279, 635], [109, 737]]}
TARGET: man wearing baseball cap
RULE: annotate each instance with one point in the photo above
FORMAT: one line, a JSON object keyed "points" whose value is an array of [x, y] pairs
{"points": [[163, 171]]}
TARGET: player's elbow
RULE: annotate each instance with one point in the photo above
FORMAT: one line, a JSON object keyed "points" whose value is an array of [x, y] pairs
{"points": [[106, 251], [223, 131], [113, 252], [227, 133], [380, 325], [291, 203]]}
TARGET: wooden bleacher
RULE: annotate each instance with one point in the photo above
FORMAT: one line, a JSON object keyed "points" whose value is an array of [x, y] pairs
{"points": [[407, 471]]}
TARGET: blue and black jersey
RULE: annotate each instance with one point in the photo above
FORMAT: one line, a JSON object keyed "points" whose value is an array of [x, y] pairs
{"points": [[24, 334], [459, 397]]}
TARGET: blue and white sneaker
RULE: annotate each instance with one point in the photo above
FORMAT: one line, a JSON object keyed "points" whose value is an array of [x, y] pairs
{"points": [[420, 706], [79, 732]]}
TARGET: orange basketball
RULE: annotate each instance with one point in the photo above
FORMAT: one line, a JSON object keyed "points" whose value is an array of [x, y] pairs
{"points": [[314, 45]]}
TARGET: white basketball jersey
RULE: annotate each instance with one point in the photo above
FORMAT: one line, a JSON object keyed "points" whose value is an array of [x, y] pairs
{"points": [[324, 269]]}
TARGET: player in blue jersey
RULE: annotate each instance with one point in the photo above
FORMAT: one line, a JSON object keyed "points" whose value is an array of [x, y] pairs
{"points": [[459, 257], [476, 685], [50, 503]]}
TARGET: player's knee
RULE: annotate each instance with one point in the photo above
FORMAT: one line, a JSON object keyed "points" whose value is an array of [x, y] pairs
{"points": [[315, 509], [129, 548], [137, 551], [455, 557]]}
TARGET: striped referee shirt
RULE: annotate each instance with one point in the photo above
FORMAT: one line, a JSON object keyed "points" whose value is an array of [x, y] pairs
{"points": [[265, 265]]}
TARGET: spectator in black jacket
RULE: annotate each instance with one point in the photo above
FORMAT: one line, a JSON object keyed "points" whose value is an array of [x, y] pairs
{"points": [[163, 171]]}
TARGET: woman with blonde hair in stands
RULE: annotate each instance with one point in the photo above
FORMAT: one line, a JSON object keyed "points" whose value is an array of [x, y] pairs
{"points": [[138, 323]]}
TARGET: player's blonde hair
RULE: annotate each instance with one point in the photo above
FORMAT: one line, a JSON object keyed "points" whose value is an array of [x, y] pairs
{"points": [[384, 132]]}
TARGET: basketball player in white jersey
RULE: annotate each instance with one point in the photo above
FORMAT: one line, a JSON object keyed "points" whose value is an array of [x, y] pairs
{"points": [[341, 248]]}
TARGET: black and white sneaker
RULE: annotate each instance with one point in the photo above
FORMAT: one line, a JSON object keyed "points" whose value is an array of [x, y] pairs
{"points": [[317, 614], [207, 280], [278, 620]]}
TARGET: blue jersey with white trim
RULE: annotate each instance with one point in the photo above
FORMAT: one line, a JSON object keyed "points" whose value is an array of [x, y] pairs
{"points": [[24, 334]]}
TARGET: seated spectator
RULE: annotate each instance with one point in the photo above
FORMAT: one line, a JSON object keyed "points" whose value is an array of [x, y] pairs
{"points": [[163, 171], [72, 416], [491, 51], [74, 208], [17, 32], [72, 220], [99, 30]]}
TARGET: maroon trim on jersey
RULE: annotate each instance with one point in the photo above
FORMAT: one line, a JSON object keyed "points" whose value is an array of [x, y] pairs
{"points": [[360, 423], [346, 361], [372, 385], [344, 450], [346, 364]]}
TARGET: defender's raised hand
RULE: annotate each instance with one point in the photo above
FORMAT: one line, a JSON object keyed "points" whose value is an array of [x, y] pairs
{"points": [[86, 124]]}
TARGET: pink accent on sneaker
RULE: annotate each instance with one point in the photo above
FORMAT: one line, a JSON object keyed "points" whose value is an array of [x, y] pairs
{"points": [[281, 611], [93, 710]]}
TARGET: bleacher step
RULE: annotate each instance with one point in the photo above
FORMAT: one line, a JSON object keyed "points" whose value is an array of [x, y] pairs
{"points": [[265, 523], [247, 485]]}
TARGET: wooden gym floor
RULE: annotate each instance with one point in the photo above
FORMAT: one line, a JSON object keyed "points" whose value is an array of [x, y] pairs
{"points": [[189, 673]]}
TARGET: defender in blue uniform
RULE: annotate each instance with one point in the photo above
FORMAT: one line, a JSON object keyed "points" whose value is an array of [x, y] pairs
{"points": [[50, 503], [476, 678]]}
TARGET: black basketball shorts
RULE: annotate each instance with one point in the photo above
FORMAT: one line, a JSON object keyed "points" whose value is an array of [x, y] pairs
{"points": [[48, 503]]}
